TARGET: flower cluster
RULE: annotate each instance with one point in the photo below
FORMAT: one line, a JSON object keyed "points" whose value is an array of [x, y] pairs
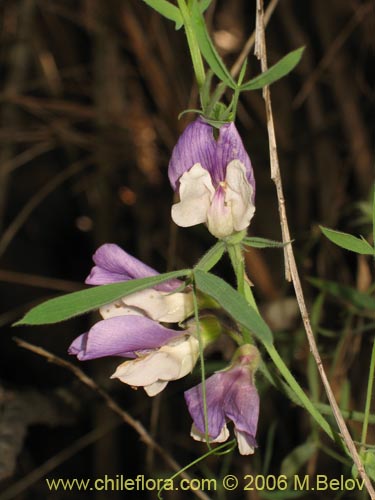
{"points": [[131, 327], [154, 329]]}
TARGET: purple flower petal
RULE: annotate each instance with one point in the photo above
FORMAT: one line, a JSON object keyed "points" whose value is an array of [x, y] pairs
{"points": [[198, 145], [241, 403], [195, 145], [215, 391], [121, 336], [114, 265], [230, 147], [230, 395]]}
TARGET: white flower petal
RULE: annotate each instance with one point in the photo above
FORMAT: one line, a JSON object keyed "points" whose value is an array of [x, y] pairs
{"points": [[239, 195], [196, 192], [147, 369], [199, 436], [155, 388], [118, 308], [153, 371], [159, 306], [243, 446], [219, 216], [185, 351]]}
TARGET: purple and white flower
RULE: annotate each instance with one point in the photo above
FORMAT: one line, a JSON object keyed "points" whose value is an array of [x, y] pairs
{"points": [[131, 327], [214, 178], [230, 395]]}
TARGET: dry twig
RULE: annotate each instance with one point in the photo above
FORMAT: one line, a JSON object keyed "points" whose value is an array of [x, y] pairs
{"points": [[125, 416], [292, 271]]}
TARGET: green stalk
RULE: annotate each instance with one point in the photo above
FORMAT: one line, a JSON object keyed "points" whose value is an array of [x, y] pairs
{"points": [[368, 397], [203, 370], [236, 256], [195, 52], [297, 389]]}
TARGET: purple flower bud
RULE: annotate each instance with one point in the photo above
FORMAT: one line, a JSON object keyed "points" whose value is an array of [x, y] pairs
{"points": [[230, 395], [214, 178]]}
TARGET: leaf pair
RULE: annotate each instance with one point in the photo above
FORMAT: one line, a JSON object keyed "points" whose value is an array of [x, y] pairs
{"points": [[76, 303]]}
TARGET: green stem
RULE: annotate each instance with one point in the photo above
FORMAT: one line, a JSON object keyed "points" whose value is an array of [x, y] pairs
{"points": [[368, 396], [237, 259], [203, 369], [293, 384], [195, 52]]}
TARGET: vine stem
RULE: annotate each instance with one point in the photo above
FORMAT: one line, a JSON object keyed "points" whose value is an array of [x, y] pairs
{"points": [[195, 52], [290, 262]]}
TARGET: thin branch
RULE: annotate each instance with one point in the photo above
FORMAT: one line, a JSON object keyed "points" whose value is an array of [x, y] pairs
{"points": [[111, 403], [260, 51]]}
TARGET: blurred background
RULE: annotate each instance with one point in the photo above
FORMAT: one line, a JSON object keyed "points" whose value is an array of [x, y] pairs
{"points": [[89, 103]]}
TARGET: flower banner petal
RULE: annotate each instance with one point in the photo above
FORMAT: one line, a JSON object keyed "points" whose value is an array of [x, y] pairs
{"points": [[121, 336], [114, 264], [195, 145]]}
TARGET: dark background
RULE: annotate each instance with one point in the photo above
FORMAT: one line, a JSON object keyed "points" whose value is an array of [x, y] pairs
{"points": [[89, 103]]}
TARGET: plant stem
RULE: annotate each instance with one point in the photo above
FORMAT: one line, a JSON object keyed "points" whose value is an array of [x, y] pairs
{"points": [[291, 270], [368, 396], [195, 52]]}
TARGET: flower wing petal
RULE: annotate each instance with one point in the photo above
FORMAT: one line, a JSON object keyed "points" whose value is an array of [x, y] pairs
{"points": [[199, 436], [239, 195], [246, 443], [147, 370], [159, 306], [196, 191]]}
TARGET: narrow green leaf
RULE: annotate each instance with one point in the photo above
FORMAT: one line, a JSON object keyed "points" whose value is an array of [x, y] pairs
{"points": [[204, 4], [275, 72], [293, 462], [348, 241], [254, 241], [73, 304], [356, 416], [234, 304], [208, 49], [167, 10], [211, 257], [346, 293]]}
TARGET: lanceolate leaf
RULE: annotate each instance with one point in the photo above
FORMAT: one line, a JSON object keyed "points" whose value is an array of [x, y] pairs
{"points": [[348, 241], [357, 299], [254, 241], [212, 257], [73, 304], [207, 48], [167, 10], [235, 305], [275, 72]]}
